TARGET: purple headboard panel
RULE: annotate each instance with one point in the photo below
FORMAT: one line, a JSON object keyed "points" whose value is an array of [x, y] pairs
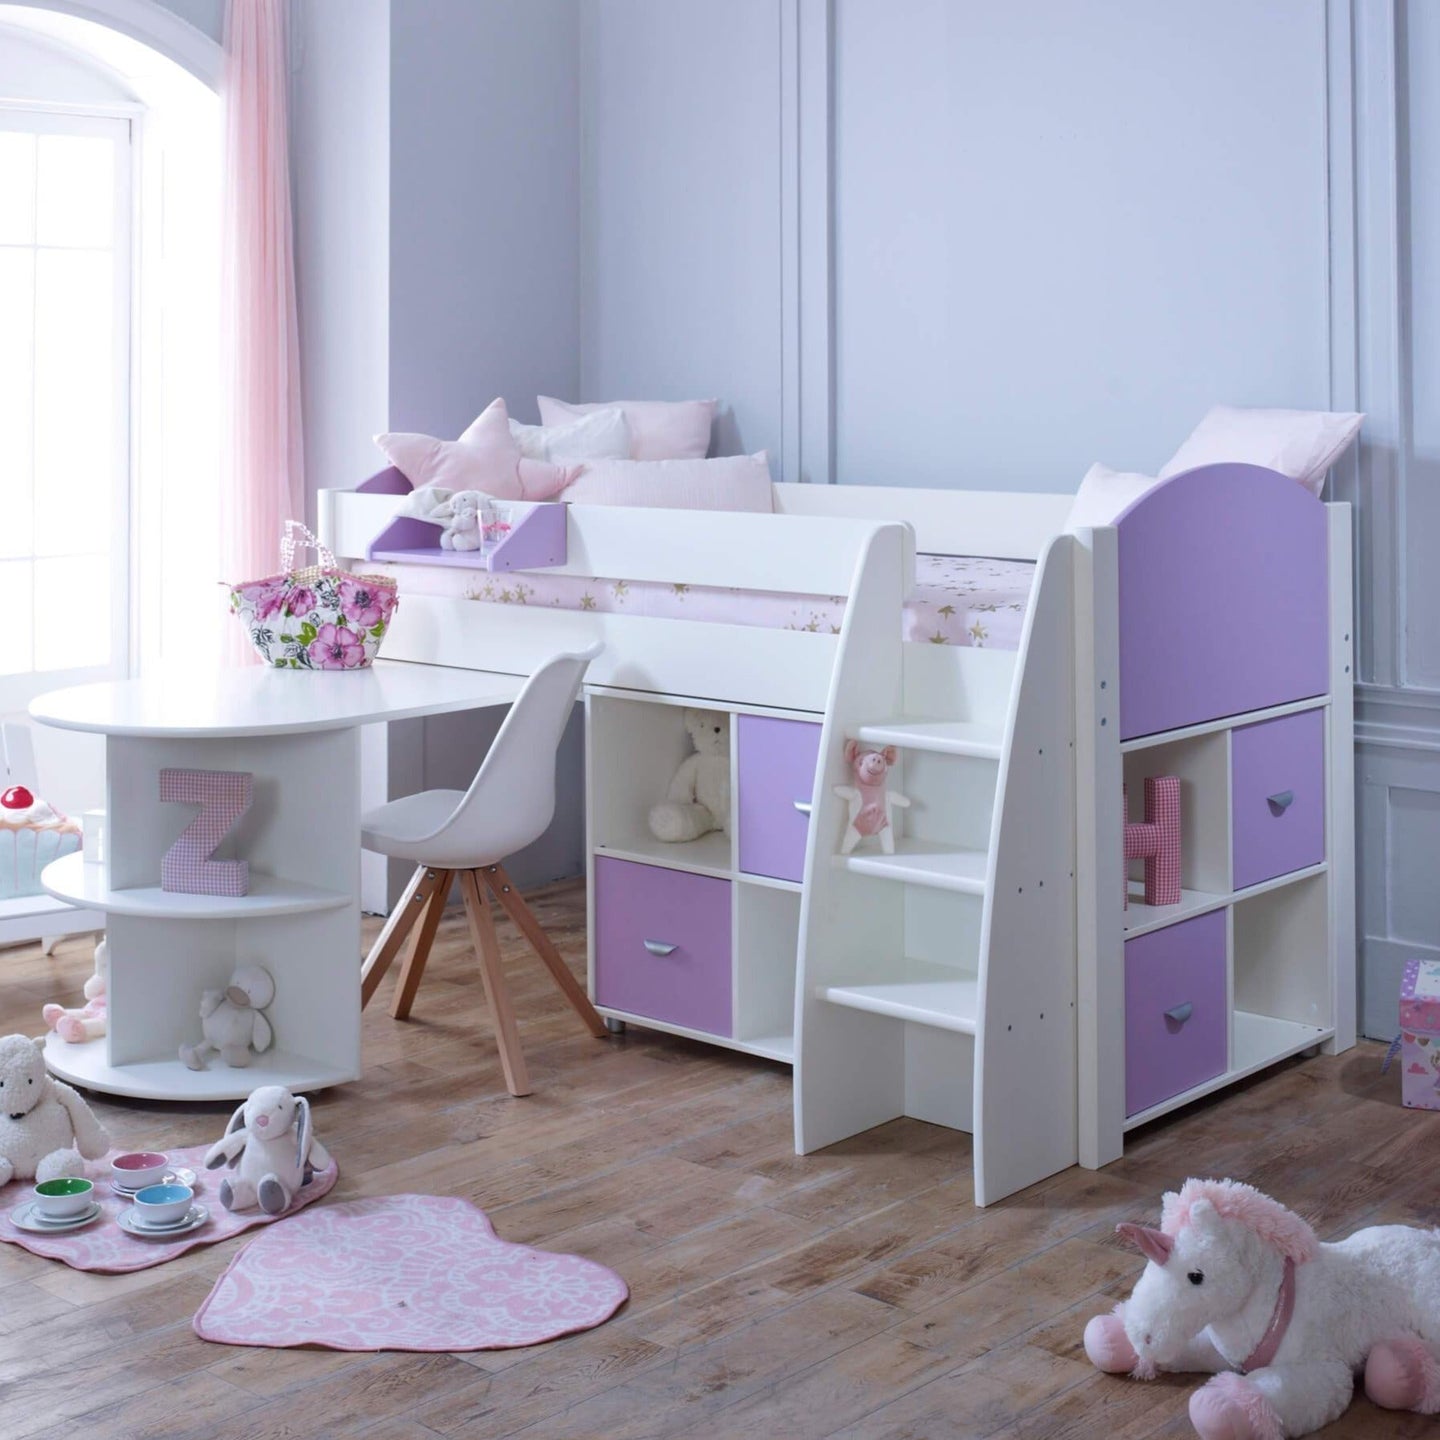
{"points": [[385, 482], [1224, 601]]}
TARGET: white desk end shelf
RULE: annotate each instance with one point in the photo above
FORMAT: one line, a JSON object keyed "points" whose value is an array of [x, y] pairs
{"points": [[298, 736]]}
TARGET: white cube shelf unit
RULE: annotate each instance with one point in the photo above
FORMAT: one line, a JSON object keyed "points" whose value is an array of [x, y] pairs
{"points": [[697, 938]]}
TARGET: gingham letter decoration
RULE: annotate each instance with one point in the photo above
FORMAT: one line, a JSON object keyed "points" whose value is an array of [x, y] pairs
{"points": [[1156, 840], [223, 797]]}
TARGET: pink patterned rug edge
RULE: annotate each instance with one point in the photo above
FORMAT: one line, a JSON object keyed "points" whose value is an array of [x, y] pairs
{"points": [[449, 1271]]}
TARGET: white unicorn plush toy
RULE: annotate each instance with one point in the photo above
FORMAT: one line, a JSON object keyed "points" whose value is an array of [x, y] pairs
{"points": [[1239, 1287]]}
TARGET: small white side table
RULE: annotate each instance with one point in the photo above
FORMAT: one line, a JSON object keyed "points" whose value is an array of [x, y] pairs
{"points": [[298, 734]]}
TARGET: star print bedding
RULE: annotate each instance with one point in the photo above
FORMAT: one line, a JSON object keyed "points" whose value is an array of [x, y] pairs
{"points": [[957, 600]]}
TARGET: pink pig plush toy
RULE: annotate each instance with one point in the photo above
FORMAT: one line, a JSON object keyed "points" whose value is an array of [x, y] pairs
{"points": [[870, 801]]}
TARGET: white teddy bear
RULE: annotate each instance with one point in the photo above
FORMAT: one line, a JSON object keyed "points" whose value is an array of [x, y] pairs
{"points": [[699, 797], [46, 1129], [271, 1141], [231, 1020], [463, 514]]}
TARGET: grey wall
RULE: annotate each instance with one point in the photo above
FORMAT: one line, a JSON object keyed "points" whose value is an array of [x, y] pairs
{"points": [[680, 218], [484, 219], [1063, 231], [207, 16]]}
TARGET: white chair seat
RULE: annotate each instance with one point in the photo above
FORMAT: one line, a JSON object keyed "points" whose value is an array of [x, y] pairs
{"points": [[464, 836], [400, 828]]}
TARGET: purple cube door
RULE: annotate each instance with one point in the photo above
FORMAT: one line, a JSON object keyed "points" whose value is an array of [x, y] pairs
{"points": [[1177, 1021], [777, 777], [1277, 789], [662, 944]]}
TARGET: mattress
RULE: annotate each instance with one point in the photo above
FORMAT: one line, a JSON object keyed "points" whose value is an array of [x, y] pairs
{"points": [[957, 599]]}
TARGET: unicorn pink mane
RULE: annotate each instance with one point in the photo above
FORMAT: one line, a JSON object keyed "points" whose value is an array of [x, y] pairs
{"points": [[1269, 1219]]}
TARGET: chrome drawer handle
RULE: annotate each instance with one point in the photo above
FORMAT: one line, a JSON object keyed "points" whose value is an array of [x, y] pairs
{"points": [[1281, 802], [803, 806], [1181, 1013], [658, 947]]}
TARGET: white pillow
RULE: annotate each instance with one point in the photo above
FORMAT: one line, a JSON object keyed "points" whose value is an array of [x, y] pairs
{"points": [[1102, 495], [731, 482], [601, 435], [1302, 444], [659, 429]]}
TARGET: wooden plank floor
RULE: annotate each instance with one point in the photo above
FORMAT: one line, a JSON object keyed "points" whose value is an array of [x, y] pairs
{"points": [[855, 1293]]}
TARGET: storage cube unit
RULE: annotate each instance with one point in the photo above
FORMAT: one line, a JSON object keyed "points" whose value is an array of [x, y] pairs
{"points": [[1245, 956], [697, 937], [1420, 1034]]}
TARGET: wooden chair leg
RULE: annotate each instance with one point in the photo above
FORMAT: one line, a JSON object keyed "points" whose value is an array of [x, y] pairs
{"points": [[397, 927], [414, 966], [497, 993], [524, 918]]}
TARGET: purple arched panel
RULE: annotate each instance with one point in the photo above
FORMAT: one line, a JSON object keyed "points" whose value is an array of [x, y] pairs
{"points": [[1224, 604]]}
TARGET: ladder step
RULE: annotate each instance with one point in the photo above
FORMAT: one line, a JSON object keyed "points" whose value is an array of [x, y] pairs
{"points": [[922, 862], [944, 737]]}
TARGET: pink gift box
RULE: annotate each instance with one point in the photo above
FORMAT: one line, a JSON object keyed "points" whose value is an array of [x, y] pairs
{"points": [[1420, 1034]]}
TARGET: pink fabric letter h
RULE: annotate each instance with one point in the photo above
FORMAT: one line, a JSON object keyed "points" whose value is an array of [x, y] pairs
{"points": [[1156, 841]]}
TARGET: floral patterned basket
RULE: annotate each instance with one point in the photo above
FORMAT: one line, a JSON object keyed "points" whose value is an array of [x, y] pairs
{"points": [[318, 618]]}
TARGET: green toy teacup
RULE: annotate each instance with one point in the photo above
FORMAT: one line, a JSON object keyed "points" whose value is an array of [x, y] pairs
{"points": [[64, 1198]]}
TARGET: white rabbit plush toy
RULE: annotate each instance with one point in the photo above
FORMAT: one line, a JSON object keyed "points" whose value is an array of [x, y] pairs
{"points": [[270, 1142]]}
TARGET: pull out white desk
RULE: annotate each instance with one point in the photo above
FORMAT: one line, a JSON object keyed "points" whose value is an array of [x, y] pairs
{"points": [[298, 734]]}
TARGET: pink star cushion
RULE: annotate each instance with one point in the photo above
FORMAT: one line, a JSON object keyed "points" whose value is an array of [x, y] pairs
{"points": [[402, 1272], [486, 457]]}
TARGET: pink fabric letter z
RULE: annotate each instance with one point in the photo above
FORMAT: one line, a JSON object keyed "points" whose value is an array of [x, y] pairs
{"points": [[1156, 841], [223, 797]]}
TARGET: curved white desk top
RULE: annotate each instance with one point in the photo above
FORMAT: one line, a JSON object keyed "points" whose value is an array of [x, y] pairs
{"points": [[255, 700]]}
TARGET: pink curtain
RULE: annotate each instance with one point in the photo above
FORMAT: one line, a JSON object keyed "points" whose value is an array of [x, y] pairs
{"points": [[263, 482]]}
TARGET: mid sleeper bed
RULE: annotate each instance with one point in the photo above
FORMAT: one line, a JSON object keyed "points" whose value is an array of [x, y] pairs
{"points": [[987, 975]]}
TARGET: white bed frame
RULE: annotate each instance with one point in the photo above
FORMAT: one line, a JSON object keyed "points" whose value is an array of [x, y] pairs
{"points": [[970, 979]]}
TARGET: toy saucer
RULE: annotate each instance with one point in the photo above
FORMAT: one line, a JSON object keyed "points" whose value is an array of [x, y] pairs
{"points": [[197, 1216], [27, 1217], [181, 1175]]}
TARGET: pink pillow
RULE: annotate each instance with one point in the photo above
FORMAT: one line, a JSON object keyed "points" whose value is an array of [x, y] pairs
{"points": [[731, 482], [485, 458], [1302, 444], [659, 429]]}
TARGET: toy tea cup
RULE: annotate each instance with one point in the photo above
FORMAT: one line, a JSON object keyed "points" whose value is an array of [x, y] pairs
{"points": [[139, 1168], [159, 1205], [63, 1199]]}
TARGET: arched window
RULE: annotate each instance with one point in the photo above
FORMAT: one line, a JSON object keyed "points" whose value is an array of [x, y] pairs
{"points": [[109, 297]]}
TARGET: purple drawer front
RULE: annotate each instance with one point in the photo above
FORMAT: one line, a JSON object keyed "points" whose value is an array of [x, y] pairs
{"points": [[777, 769], [1277, 793], [687, 985], [1167, 970]]}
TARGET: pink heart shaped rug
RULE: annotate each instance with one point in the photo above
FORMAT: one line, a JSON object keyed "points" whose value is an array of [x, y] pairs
{"points": [[402, 1272]]}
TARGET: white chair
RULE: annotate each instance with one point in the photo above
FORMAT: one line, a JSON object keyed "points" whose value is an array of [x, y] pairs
{"points": [[450, 833]]}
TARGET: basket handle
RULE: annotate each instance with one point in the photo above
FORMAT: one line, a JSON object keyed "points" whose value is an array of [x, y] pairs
{"points": [[307, 539]]}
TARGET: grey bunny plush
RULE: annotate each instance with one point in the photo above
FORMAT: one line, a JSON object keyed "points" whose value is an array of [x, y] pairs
{"points": [[270, 1141]]}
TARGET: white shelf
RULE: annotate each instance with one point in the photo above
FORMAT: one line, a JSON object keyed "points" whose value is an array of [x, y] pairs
{"points": [[922, 862], [709, 855], [89, 1065], [70, 879], [1141, 918], [1259, 1040], [944, 737], [1225, 722], [919, 990], [771, 1047], [769, 882], [768, 1047]]}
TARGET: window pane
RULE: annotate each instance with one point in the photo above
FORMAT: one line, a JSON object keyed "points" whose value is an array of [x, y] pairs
{"points": [[17, 188], [17, 307], [75, 450], [75, 190], [72, 612], [16, 625]]}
